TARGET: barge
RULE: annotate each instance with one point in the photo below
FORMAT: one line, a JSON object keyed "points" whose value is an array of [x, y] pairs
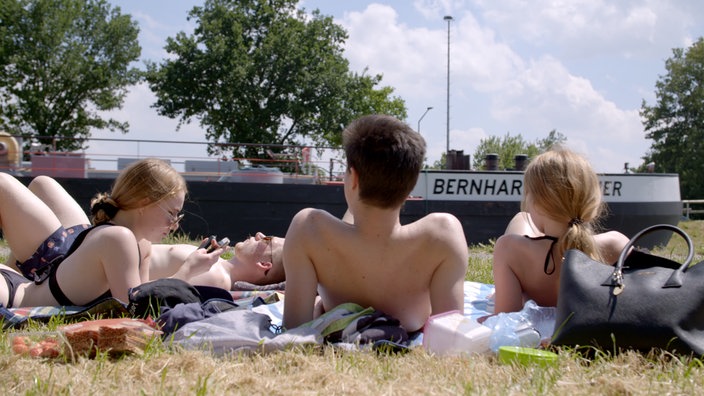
{"points": [[227, 199]]}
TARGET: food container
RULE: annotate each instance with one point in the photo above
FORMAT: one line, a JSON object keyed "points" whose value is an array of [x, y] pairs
{"points": [[37, 344], [452, 333]]}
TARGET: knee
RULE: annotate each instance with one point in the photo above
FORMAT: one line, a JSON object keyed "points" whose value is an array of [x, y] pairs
{"points": [[41, 183], [6, 178]]}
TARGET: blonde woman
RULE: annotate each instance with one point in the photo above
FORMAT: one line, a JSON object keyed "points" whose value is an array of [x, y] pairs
{"points": [[65, 262], [561, 207]]}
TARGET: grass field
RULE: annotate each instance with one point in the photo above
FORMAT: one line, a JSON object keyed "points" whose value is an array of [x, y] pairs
{"points": [[163, 370]]}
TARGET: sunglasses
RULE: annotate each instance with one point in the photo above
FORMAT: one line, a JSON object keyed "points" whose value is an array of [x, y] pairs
{"points": [[267, 239], [173, 218]]}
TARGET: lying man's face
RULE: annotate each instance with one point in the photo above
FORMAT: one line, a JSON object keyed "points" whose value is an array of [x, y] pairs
{"points": [[261, 256]]}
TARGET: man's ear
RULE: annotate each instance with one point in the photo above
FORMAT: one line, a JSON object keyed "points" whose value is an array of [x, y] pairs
{"points": [[265, 265], [354, 178]]}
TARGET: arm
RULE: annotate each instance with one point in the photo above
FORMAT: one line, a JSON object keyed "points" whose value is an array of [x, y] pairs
{"points": [[508, 295], [301, 278], [145, 247], [447, 283], [117, 248], [198, 262]]}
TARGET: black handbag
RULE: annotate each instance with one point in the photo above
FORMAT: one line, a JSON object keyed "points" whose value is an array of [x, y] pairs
{"points": [[643, 302]]}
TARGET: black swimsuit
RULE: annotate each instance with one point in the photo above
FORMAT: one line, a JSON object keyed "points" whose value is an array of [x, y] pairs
{"points": [[549, 255], [13, 280], [54, 284]]}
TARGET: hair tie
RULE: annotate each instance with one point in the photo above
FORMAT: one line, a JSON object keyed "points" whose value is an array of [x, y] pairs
{"points": [[109, 209], [575, 221]]}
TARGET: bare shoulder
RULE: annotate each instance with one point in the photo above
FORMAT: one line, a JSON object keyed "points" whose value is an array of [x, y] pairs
{"points": [[314, 214], [312, 220], [510, 240], [513, 244], [442, 223], [612, 240], [442, 230], [522, 224], [611, 243], [113, 234], [112, 243]]}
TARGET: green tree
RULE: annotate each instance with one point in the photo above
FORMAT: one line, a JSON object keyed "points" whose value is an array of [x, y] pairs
{"points": [[509, 146], [439, 164], [262, 72], [61, 63], [675, 122], [361, 98], [554, 137]]}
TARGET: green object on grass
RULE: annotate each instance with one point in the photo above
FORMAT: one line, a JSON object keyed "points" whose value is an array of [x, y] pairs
{"points": [[526, 356]]}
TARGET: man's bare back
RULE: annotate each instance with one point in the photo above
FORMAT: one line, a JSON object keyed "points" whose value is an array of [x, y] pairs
{"points": [[413, 271]]}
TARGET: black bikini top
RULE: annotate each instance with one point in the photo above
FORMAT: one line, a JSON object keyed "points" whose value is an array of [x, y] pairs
{"points": [[549, 255]]}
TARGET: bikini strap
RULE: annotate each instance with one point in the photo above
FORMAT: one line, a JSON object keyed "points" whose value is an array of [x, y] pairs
{"points": [[550, 253], [56, 291]]}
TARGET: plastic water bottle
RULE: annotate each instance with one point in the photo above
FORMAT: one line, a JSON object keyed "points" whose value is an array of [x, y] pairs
{"points": [[528, 337], [542, 318], [526, 328]]}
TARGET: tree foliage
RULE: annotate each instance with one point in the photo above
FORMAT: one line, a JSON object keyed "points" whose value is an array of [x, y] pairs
{"points": [[262, 71], [675, 122], [61, 63], [509, 146]]}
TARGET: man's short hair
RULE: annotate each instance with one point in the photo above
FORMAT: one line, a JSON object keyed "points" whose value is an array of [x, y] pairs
{"points": [[387, 155]]}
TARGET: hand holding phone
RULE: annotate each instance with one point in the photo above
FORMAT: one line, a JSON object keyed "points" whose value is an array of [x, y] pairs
{"points": [[220, 244], [207, 242]]}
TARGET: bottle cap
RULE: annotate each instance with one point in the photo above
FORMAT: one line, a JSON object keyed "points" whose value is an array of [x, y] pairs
{"points": [[526, 356]]}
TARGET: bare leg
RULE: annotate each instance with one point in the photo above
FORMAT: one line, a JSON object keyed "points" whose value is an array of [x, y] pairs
{"points": [[63, 205], [26, 221], [59, 201]]}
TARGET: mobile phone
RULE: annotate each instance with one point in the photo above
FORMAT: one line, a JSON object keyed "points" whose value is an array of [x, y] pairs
{"points": [[221, 243], [206, 243]]}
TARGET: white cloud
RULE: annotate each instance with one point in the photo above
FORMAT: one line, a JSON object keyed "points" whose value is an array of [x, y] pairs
{"points": [[530, 96], [517, 66], [594, 28]]}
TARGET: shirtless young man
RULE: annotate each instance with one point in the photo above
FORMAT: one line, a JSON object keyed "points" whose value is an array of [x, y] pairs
{"points": [[256, 260], [407, 271]]}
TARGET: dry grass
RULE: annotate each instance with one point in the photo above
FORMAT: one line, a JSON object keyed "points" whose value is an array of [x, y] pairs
{"points": [[327, 370]]}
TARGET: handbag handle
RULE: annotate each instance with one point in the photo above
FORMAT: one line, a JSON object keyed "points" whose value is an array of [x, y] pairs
{"points": [[675, 280]]}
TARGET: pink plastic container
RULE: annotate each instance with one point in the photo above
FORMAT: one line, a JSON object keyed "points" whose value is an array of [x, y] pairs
{"points": [[452, 333]]}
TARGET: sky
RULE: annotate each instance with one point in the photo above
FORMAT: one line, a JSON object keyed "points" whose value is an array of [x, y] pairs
{"points": [[580, 67]]}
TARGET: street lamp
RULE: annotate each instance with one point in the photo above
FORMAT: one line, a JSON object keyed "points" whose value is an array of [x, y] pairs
{"points": [[449, 19], [421, 117]]}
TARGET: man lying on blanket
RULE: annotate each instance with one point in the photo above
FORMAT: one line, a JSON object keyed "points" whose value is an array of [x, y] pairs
{"points": [[256, 260]]}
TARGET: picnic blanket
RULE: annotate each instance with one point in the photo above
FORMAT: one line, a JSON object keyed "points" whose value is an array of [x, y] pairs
{"points": [[478, 302], [258, 329], [109, 307], [255, 328]]}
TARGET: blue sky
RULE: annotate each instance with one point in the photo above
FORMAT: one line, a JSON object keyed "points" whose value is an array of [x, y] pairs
{"points": [[582, 67]]}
